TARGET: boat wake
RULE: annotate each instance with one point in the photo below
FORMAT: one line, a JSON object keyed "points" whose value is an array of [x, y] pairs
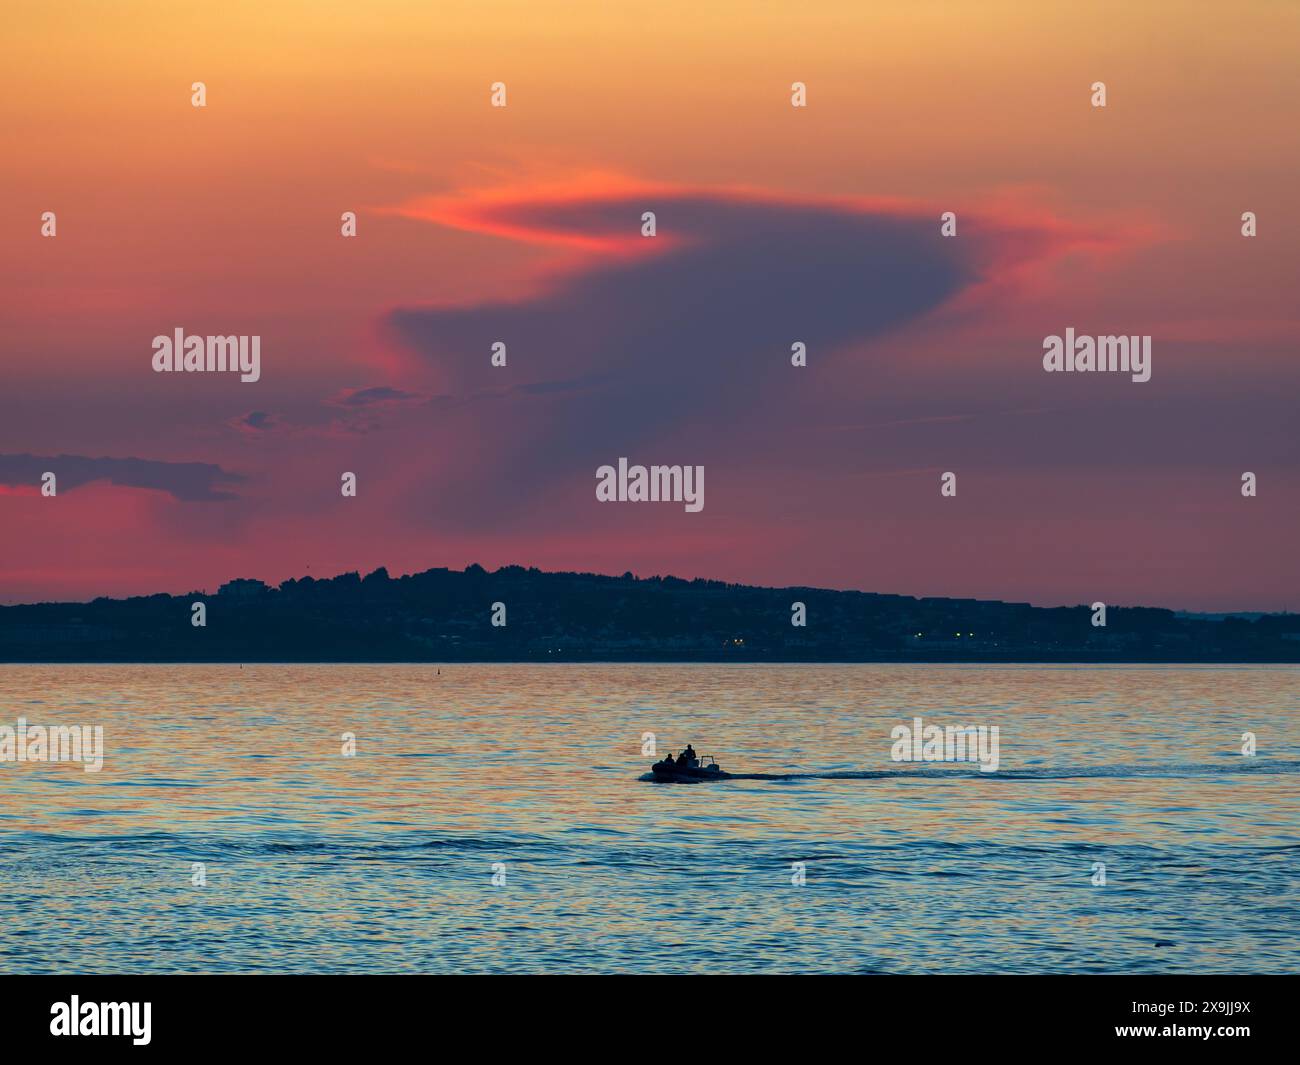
{"points": [[967, 771]]}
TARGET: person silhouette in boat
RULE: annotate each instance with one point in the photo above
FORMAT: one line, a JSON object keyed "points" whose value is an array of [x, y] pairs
{"points": [[688, 759]]}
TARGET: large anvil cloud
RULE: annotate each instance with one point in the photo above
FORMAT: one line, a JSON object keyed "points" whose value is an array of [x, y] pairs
{"points": [[630, 339]]}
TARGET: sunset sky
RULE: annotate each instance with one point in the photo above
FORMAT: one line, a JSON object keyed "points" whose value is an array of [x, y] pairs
{"points": [[775, 224]]}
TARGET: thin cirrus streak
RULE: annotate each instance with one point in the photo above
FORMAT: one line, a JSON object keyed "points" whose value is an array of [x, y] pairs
{"points": [[183, 481]]}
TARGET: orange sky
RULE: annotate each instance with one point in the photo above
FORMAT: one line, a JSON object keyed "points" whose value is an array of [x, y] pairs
{"points": [[225, 219]]}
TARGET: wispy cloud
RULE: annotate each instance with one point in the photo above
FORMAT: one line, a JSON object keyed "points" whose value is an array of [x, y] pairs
{"points": [[255, 422], [185, 481], [374, 396]]}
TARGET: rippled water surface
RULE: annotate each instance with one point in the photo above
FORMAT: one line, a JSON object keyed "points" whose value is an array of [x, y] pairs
{"points": [[315, 862]]}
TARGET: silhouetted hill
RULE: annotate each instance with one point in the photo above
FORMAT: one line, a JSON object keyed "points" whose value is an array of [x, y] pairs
{"points": [[445, 616]]}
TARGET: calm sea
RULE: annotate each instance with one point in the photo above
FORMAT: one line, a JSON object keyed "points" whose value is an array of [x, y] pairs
{"points": [[227, 832]]}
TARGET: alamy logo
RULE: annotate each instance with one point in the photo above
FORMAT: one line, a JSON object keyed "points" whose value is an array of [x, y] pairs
{"points": [[57, 743], [1071, 354], [198, 354], [951, 743], [102, 1018], [656, 484]]}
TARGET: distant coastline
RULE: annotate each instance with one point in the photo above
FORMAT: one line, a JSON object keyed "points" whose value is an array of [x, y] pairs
{"points": [[527, 615]]}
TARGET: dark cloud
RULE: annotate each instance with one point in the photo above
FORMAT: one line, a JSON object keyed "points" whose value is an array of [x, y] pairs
{"points": [[185, 481], [711, 312], [255, 421], [681, 340]]}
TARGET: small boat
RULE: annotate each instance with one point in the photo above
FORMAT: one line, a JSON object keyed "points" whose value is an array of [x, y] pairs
{"points": [[707, 769]]}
